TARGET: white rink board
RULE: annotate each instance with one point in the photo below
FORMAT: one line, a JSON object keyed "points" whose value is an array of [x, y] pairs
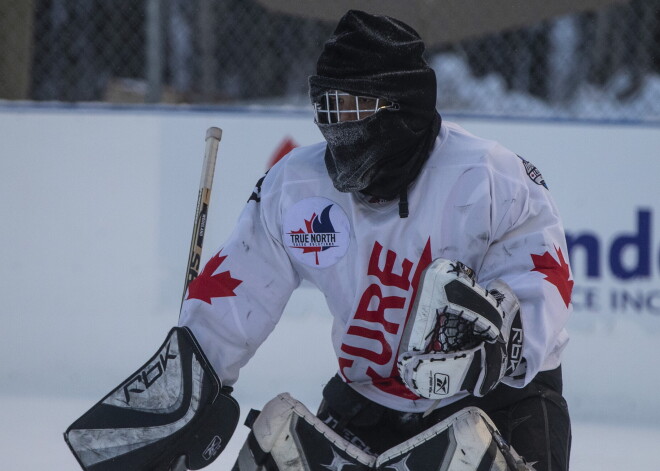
{"points": [[97, 207]]}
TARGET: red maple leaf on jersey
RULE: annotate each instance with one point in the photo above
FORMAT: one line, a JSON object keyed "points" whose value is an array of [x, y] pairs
{"points": [[556, 272], [207, 285], [310, 230]]}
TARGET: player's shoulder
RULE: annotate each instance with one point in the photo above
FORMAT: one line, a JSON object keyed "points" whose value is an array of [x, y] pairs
{"points": [[472, 148], [466, 148], [302, 165], [303, 162]]}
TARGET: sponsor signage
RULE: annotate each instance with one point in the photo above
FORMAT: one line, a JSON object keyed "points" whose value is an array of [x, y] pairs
{"points": [[617, 271]]}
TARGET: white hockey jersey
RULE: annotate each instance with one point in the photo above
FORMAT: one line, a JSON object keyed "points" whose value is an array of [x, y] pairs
{"points": [[474, 201]]}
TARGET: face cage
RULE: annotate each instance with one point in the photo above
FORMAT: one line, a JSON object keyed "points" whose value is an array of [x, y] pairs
{"points": [[337, 106]]}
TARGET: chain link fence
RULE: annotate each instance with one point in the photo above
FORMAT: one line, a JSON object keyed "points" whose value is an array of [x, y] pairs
{"points": [[595, 65]]}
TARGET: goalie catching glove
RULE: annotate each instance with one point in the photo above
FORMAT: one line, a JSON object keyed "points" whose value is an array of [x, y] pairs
{"points": [[460, 337]]}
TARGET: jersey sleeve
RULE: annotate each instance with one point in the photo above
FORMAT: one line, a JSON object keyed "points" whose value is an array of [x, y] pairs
{"points": [[528, 251], [238, 298]]}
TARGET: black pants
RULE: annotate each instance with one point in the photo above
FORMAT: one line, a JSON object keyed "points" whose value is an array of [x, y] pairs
{"points": [[534, 419]]}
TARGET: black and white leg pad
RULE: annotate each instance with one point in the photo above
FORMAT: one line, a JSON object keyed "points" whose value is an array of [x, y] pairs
{"points": [[286, 436], [173, 406]]}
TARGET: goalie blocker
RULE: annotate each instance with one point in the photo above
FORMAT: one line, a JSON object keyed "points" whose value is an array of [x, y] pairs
{"points": [[172, 412]]}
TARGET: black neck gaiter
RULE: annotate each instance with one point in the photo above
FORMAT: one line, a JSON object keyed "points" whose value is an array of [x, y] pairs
{"points": [[379, 155]]}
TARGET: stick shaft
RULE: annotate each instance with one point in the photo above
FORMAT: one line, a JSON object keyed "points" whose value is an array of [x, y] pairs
{"points": [[213, 136]]}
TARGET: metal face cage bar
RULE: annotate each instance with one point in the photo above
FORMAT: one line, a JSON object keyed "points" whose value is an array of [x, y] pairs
{"points": [[337, 106]]}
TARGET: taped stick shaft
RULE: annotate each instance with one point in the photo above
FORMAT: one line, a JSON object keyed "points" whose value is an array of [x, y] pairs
{"points": [[213, 137]]}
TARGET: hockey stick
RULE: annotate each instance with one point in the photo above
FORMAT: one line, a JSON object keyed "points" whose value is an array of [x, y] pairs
{"points": [[213, 136], [102, 438]]}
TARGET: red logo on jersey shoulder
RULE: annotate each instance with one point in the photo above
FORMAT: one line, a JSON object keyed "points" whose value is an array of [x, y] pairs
{"points": [[556, 271]]}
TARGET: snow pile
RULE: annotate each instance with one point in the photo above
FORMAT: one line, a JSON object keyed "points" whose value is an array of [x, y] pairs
{"points": [[457, 86]]}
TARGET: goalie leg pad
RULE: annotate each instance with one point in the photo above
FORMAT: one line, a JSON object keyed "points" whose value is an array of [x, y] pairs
{"points": [[173, 406], [465, 441], [286, 436]]}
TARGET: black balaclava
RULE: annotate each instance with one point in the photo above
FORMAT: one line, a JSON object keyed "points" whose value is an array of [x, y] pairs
{"points": [[380, 57]]}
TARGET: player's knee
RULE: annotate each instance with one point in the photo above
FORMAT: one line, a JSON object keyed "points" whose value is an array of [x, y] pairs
{"points": [[539, 428]]}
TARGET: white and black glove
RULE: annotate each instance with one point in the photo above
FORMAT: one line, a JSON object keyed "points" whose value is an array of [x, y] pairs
{"points": [[460, 337], [172, 414]]}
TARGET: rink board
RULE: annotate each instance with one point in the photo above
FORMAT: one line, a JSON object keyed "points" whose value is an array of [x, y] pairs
{"points": [[97, 214]]}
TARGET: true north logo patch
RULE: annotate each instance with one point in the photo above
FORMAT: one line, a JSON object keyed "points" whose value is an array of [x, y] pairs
{"points": [[316, 232]]}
